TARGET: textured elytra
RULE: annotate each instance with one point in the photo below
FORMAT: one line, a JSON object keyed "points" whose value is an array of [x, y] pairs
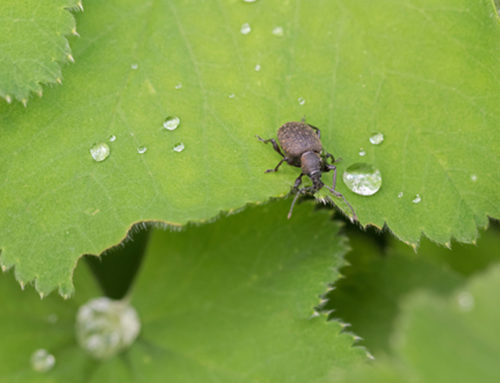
{"points": [[297, 138]]}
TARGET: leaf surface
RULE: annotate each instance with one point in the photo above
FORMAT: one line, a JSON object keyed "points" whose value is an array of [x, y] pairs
{"points": [[444, 339], [424, 75], [33, 45], [212, 306]]}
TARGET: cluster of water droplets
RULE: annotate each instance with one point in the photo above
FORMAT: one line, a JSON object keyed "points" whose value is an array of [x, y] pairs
{"points": [[105, 327], [42, 361]]}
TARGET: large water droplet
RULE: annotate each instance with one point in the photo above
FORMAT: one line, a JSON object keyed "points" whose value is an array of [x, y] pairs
{"points": [[417, 198], [171, 122], [99, 151], [179, 147], [377, 138], [278, 31], [42, 361], [363, 179], [301, 100], [104, 327], [245, 29], [142, 149]]}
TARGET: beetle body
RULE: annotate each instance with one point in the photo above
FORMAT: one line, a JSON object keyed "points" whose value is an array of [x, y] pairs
{"points": [[302, 148]]}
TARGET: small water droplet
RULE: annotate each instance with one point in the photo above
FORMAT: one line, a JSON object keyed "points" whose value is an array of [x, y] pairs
{"points": [[178, 86], [141, 149], [134, 66], [362, 179], [104, 327], [400, 195], [465, 301], [99, 151], [417, 198], [257, 68], [278, 31], [377, 138], [249, 1], [232, 95], [245, 29], [301, 100], [42, 361], [473, 177], [362, 152], [179, 147], [171, 122], [112, 138]]}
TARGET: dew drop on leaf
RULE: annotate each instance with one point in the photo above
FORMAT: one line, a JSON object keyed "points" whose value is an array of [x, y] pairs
{"points": [[179, 147], [249, 1], [104, 327], [99, 151], [134, 66], [473, 177], [112, 138], [377, 138], [278, 31], [465, 301], [362, 152], [245, 29], [232, 95], [178, 86], [171, 122], [400, 195], [417, 199], [42, 361], [362, 178], [141, 149], [301, 100], [257, 68]]}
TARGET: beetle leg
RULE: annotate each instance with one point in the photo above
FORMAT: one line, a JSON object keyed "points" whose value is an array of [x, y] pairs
{"points": [[298, 181], [304, 190], [318, 132], [336, 193], [275, 144], [277, 166]]}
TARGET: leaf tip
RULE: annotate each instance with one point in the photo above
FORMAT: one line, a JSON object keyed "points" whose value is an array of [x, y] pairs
{"points": [[8, 98], [70, 58]]}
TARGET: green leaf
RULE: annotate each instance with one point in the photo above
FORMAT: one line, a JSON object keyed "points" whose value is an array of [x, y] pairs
{"points": [[440, 339], [232, 301], [33, 45], [398, 68], [377, 282]]}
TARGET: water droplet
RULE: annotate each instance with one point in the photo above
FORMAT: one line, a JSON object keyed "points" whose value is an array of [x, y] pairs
{"points": [[42, 361], [400, 195], [278, 31], [465, 301], [377, 138], [362, 179], [104, 327], [171, 122], [362, 152], [179, 147], [417, 199], [473, 177], [257, 68], [134, 66], [112, 138], [141, 149], [301, 100], [245, 29], [249, 1], [232, 95], [99, 151], [52, 318], [178, 86]]}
